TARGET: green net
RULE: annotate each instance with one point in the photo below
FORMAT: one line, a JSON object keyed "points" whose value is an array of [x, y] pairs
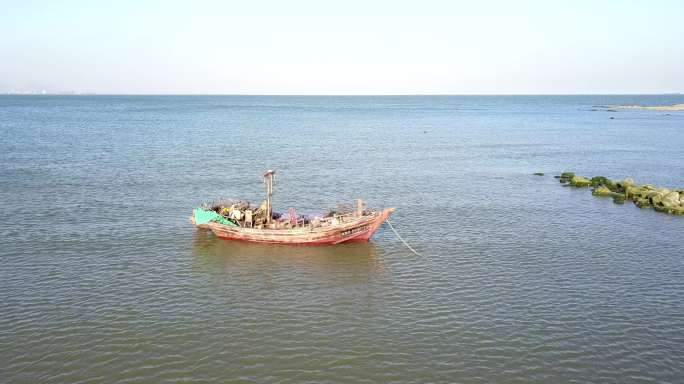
{"points": [[203, 217]]}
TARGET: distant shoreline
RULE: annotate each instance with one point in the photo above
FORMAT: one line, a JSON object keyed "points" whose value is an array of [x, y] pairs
{"points": [[346, 95], [673, 107]]}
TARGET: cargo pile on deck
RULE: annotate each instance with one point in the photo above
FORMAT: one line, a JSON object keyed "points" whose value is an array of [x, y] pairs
{"points": [[237, 213], [644, 196]]}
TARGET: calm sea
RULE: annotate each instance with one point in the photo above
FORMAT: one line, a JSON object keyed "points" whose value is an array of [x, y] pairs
{"points": [[102, 279]]}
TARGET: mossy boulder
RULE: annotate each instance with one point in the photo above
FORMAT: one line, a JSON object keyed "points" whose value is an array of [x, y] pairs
{"points": [[580, 182], [644, 196], [670, 200], [600, 180], [565, 177], [602, 190], [626, 183], [635, 192], [656, 197]]}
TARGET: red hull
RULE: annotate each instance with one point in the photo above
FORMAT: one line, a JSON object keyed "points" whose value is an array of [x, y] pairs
{"points": [[357, 230]]}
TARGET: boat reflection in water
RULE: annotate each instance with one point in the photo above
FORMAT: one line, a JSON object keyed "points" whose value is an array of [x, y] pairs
{"points": [[354, 262]]}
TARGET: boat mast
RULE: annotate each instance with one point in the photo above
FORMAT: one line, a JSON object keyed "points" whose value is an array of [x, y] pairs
{"points": [[268, 180]]}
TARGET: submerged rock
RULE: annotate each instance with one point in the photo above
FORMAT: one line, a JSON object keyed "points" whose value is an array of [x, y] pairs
{"points": [[678, 210], [539, 173]]}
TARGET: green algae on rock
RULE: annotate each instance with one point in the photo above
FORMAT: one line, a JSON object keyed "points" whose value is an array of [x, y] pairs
{"points": [[597, 181], [644, 196], [580, 182], [602, 190], [565, 177], [626, 183]]}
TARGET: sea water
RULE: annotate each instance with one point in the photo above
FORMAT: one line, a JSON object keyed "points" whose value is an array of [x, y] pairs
{"points": [[521, 280]]}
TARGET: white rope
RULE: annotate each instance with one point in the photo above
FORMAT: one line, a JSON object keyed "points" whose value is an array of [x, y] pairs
{"points": [[402, 240]]}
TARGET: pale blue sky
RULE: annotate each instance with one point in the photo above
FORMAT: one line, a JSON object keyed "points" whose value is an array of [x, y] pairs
{"points": [[342, 47]]}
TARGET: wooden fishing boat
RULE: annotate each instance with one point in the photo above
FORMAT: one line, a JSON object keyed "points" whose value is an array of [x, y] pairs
{"points": [[335, 228]]}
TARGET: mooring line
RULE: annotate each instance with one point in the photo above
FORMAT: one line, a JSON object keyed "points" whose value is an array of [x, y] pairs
{"points": [[402, 239]]}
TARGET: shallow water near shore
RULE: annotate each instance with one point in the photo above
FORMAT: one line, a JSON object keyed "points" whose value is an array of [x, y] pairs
{"points": [[102, 279]]}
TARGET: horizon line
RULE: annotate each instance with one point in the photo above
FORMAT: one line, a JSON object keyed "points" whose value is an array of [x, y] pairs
{"points": [[33, 93]]}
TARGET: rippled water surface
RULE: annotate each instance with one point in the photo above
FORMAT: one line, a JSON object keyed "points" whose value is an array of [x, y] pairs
{"points": [[521, 280]]}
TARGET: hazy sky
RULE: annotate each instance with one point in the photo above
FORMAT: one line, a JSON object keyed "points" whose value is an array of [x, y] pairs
{"points": [[342, 47]]}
